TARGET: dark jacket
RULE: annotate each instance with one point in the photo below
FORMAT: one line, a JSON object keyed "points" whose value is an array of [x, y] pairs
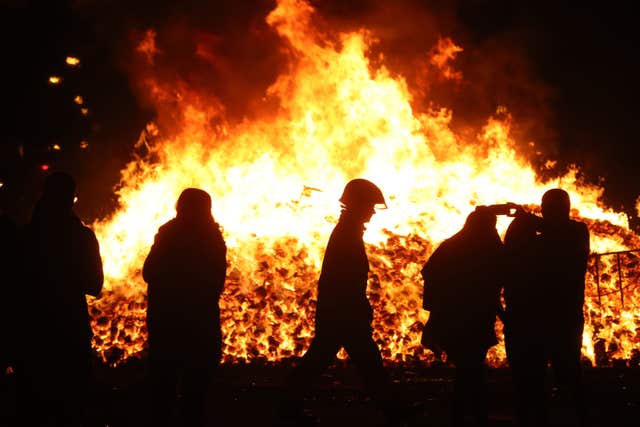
{"points": [[523, 290], [185, 270], [342, 287], [461, 291], [564, 250], [9, 282], [61, 264]]}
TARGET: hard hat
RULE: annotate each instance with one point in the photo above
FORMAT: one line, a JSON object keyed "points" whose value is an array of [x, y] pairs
{"points": [[361, 192]]}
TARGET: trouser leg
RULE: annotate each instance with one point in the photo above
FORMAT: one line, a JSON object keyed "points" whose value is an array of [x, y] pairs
{"points": [[528, 362], [470, 389], [163, 381], [315, 361], [195, 385], [365, 354], [565, 361]]}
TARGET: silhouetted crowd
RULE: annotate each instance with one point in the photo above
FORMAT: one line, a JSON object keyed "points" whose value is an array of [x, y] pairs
{"points": [[470, 280]]}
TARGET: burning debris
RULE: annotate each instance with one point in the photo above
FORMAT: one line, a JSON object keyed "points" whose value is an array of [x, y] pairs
{"points": [[72, 61], [338, 115]]}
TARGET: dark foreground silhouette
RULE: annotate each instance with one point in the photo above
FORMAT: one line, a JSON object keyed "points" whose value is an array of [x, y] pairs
{"points": [[343, 313], [8, 273], [461, 292], [544, 296], [60, 264], [185, 270]]}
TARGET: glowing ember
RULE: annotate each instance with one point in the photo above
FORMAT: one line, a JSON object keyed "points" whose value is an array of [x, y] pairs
{"points": [[55, 80], [148, 46], [72, 61], [84, 111], [84, 144], [78, 100], [275, 182], [442, 55]]}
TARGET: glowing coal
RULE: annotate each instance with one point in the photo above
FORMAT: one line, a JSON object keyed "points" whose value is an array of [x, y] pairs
{"points": [[275, 181]]}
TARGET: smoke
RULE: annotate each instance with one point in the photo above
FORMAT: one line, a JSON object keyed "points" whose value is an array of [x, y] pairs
{"points": [[226, 54]]}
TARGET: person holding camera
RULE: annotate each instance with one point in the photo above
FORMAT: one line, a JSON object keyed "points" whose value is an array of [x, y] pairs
{"points": [[462, 293], [546, 261]]}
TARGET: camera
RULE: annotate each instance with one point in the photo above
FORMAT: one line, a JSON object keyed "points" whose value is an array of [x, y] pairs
{"points": [[508, 209]]}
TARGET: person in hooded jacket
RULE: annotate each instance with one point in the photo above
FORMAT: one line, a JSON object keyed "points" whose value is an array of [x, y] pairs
{"points": [[461, 291], [60, 265], [185, 271]]}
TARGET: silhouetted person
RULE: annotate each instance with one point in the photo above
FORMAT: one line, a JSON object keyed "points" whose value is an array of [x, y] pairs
{"points": [[185, 270], [461, 291], [524, 336], [61, 265], [8, 259], [548, 260], [343, 312]]}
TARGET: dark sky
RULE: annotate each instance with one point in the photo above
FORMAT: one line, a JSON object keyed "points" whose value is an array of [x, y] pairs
{"points": [[580, 65]]}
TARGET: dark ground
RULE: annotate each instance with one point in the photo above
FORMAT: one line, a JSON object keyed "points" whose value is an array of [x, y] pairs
{"points": [[247, 396]]}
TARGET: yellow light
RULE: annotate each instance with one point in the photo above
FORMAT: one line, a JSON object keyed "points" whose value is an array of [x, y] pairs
{"points": [[55, 80], [56, 147], [78, 100], [72, 61]]}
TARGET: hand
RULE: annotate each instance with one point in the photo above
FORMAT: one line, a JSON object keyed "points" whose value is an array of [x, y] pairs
{"points": [[516, 209]]}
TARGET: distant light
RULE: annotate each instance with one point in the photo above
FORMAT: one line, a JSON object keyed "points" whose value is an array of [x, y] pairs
{"points": [[84, 111], [72, 61], [84, 144], [56, 147], [55, 80], [44, 167], [78, 100], [75, 199], [1, 184]]}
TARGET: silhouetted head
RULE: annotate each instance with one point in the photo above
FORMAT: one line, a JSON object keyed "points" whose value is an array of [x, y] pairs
{"points": [[481, 221], [360, 197], [193, 204], [59, 193], [556, 205]]}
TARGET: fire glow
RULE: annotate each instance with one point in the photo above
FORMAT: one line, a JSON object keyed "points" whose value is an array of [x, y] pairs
{"points": [[275, 182]]}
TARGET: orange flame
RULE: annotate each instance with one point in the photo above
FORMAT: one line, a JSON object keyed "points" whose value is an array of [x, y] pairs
{"points": [[441, 56], [275, 182], [148, 46]]}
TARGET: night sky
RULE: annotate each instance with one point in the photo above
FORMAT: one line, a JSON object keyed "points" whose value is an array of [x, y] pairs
{"points": [[570, 77]]}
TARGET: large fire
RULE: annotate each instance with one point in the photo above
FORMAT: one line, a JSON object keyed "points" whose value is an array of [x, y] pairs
{"points": [[275, 182]]}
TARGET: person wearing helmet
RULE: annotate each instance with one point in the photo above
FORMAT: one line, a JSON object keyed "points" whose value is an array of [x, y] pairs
{"points": [[343, 313], [185, 270]]}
